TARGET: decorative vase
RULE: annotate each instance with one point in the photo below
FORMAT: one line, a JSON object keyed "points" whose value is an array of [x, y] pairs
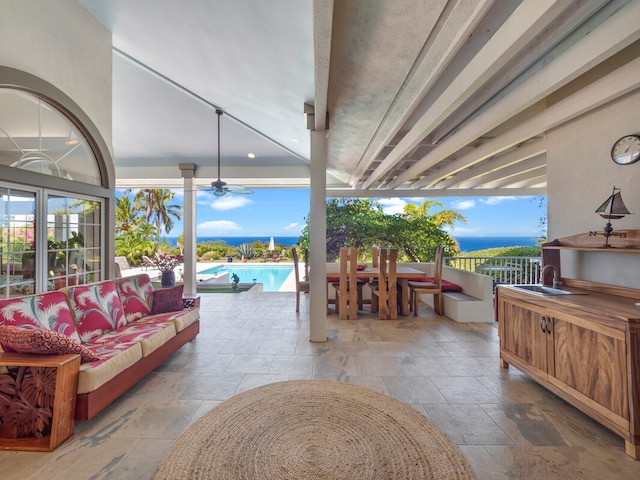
{"points": [[168, 279]]}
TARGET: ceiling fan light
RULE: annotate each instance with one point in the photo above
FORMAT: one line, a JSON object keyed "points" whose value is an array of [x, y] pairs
{"points": [[219, 193]]}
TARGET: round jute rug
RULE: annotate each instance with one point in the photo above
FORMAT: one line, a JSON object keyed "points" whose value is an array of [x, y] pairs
{"points": [[313, 429]]}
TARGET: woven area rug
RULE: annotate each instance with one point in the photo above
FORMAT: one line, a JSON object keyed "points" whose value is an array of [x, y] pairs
{"points": [[313, 429]]}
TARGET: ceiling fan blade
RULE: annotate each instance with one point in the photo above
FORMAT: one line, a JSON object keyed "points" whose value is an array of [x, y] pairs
{"points": [[237, 189]]}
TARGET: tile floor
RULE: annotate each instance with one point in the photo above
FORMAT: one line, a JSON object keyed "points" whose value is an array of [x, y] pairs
{"points": [[507, 426]]}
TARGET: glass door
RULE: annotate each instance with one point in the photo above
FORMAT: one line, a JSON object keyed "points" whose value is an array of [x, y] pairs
{"points": [[17, 242]]}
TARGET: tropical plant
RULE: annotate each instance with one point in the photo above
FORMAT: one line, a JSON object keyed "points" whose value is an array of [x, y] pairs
{"points": [[245, 251], [157, 209], [135, 243], [361, 223], [442, 218], [126, 217]]}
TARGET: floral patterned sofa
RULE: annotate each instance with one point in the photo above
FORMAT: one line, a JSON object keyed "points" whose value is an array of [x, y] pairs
{"points": [[122, 329]]}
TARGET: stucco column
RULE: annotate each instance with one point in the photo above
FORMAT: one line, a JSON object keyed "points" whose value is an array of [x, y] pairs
{"points": [[317, 238], [188, 171]]}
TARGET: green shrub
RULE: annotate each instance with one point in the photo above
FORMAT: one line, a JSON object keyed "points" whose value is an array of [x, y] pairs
{"points": [[218, 249], [210, 256]]}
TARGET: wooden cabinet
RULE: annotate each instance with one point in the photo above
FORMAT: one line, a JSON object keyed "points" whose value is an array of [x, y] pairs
{"points": [[590, 358], [524, 337]]}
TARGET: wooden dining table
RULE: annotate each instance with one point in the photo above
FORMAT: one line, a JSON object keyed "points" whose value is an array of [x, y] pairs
{"points": [[403, 274]]}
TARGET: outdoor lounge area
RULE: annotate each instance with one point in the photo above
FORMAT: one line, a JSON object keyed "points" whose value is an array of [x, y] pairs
{"points": [[402, 100], [505, 424]]}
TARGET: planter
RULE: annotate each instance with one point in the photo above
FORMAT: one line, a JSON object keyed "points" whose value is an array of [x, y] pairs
{"points": [[168, 279]]}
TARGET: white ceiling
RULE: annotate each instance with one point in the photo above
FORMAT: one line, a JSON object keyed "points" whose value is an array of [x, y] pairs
{"points": [[438, 97]]}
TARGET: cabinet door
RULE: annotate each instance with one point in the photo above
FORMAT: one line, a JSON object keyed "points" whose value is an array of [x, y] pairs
{"points": [[591, 359], [524, 336]]}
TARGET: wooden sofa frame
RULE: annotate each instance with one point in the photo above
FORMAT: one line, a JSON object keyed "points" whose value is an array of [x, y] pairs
{"points": [[91, 403]]}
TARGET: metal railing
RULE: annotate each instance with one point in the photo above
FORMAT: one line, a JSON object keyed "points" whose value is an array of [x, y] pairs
{"points": [[503, 270]]}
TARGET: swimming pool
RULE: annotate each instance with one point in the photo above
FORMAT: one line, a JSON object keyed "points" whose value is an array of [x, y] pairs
{"points": [[271, 276]]}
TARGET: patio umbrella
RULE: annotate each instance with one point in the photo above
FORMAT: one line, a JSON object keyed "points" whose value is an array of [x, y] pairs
{"points": [[272, 246]]}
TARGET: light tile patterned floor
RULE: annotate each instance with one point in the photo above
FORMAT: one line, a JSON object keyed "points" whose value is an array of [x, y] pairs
{"points": [[507, 426]]}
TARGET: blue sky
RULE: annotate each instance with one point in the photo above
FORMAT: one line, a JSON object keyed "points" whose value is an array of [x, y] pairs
{"points": [[282, 212]]}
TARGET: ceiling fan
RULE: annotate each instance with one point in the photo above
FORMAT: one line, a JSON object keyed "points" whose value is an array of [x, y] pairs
{"points": [[219, 187]]}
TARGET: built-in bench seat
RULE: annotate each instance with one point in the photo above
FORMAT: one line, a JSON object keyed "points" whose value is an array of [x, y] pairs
{"points": [[473, 304]]}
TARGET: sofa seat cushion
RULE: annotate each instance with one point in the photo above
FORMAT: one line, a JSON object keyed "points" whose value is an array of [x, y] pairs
{"points": [[97, 308], [41, 341], [135, 294], [181, 319], [48, 310], [114, 358], [149, 336]]}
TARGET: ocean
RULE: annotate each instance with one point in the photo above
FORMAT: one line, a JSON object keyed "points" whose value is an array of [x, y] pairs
{"points": [[471, 244], [467, 244], [235, 241]]}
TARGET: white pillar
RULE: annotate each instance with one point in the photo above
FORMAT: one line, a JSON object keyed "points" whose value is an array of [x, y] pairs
{"points": [[317, 238], [189, 274]]}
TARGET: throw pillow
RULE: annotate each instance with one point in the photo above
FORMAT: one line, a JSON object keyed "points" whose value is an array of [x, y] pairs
{"points": [[42, 342], [135, 294], [47, 310], [97, 309], [167, 300]]}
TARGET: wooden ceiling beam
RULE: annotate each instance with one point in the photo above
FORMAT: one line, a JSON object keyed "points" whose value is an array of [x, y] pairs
{"points": [[614, 34]]}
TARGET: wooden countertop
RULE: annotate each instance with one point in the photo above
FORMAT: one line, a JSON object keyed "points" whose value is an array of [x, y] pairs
{"points": [[592, 305]]}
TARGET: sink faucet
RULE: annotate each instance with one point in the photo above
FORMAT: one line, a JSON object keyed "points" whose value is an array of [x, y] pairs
{"points": [[556, 281]]}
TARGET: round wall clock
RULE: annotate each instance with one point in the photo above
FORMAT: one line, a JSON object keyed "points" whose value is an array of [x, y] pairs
{"points": [[626, 150]]}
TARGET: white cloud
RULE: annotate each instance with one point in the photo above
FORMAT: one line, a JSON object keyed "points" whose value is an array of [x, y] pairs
{"points": [[464, 204], [217, 227], [391, 206], [230, 202], [496, 200], [293, 226]]}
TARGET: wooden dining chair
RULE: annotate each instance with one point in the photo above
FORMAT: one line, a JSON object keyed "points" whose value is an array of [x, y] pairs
{"points": [[347, 288], [375, 256], [429, 288], [384, 292], [302, 286]]}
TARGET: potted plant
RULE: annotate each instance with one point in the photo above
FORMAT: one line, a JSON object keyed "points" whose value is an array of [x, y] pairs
{"points": [[166, 265]]}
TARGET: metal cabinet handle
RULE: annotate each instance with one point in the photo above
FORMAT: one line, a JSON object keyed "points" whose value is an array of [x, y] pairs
{"points": [[542, 324], [547, 326]]}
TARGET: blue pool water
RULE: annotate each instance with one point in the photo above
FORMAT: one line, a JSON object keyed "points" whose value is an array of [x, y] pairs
{"points": [[270, 276]]}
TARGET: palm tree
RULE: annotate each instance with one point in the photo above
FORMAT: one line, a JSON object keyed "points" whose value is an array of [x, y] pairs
{"points": [[441, 218], [157, 209], [126, 217]]}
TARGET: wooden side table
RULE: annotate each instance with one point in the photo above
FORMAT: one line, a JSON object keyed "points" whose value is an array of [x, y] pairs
{"points": [[190, 301], [39, 377]]}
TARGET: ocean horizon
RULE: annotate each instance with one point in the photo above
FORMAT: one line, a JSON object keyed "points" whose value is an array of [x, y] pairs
{"points": [[467, 244]]}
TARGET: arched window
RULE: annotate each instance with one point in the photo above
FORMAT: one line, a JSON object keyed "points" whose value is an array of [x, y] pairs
{"points": [[53, 205], [36, 136]]}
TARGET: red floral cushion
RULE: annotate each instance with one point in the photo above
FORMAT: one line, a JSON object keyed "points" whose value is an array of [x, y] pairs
{"points": [[135, 294], [446, 286], [49, 310], [97, 308], [167, 300], [42, 342]]}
